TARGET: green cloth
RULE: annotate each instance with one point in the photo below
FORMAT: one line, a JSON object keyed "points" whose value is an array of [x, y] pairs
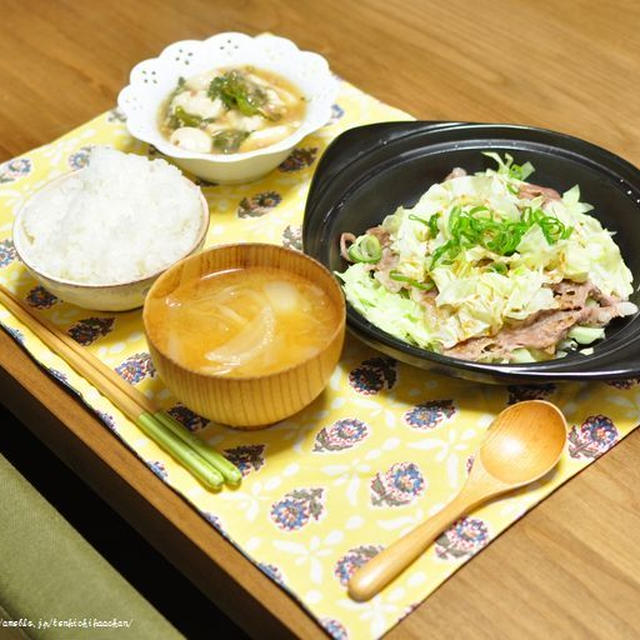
{"points": [[50, 574]]}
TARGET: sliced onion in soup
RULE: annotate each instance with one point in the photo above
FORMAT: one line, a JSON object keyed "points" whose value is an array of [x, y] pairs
{"points": [[247, 344]]}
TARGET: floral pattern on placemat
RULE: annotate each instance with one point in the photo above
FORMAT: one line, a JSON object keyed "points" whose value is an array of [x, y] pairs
{"points": [[383, 448]]}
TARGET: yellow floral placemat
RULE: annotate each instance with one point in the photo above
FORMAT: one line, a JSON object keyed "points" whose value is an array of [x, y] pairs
{"points": [[383, 448]]}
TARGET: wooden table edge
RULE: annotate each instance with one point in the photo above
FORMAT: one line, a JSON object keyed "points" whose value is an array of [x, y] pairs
{"points": [[84, 444]]}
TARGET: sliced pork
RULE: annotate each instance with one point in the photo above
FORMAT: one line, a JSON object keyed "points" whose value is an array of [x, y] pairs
{"points": [[572, 295], [545, 329], [383, 268], [346, 240], [544, 333], [456, 172], [529, 191]]}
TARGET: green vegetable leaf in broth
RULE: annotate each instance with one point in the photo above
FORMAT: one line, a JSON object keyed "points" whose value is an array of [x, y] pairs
{"points": [[237, 92], [230, 140], [186, 119]]}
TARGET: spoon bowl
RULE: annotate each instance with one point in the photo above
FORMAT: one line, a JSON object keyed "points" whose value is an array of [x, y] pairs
{"points": [[525, 441], [522, 445]]}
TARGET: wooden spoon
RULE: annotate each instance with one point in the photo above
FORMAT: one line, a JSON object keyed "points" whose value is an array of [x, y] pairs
{"points": [[524, 443]]}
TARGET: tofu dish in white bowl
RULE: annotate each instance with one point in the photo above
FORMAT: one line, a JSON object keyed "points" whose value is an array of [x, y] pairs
{"points": [[228, 109], [231, 111]]}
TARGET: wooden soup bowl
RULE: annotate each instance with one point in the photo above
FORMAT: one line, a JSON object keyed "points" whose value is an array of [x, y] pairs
{"points": [[248, 402]]}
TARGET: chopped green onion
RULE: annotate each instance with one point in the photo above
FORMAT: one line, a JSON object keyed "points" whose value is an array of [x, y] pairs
{"points": [[440, 251], [433, 224], [499, 267], [365, 249], [425, 286], [473, 228], [418, 219]]}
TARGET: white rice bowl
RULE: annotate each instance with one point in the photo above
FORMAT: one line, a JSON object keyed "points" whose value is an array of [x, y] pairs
{"points": [[121, 219]]}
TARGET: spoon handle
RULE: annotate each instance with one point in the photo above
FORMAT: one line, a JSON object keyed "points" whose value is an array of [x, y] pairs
{"points": [[384, 567]]}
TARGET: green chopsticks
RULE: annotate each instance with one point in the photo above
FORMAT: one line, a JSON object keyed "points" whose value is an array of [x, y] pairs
{"points": [[206, 464]]}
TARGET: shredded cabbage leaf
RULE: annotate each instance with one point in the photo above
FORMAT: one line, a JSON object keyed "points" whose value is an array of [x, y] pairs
{"points": [[489, 252]]}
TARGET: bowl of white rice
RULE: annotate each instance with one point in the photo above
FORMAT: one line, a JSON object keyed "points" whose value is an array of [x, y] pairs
{"points": [[100, 236]]}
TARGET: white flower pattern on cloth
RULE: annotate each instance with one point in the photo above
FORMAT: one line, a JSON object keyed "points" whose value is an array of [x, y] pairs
{"points": [[451, 451], [313, 554], [248, 502]]}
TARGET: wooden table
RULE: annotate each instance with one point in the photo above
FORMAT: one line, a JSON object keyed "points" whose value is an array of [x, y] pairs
{"points": [[570, 568]]}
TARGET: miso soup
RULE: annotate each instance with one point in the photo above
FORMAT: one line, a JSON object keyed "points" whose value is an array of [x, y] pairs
{"points": [[243, 322]]}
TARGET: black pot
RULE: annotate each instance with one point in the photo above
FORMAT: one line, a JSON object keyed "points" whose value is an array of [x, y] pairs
{"points": [[368, 172]]}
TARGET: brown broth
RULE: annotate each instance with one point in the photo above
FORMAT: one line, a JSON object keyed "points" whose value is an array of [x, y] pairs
{"points": [[243, 322]]}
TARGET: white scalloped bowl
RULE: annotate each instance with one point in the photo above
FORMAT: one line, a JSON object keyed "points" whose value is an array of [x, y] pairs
{"points": [[152, 80]]}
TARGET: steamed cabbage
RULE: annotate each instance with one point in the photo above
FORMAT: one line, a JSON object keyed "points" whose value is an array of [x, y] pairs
{"points": [[479, 254]]}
